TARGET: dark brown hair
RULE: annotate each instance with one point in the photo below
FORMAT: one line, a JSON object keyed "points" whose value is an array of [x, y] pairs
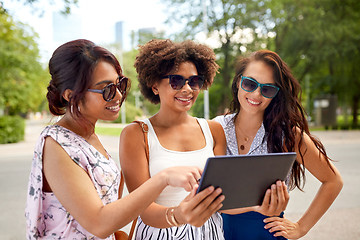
{"points": [[158, 58], [71, 67], [283, 115]]}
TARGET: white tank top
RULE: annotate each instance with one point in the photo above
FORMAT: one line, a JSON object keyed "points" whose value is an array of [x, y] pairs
{"points": [[161, 158]]}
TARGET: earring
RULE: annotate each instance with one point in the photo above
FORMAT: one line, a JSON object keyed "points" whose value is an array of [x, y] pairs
{"points": [[72, 109]]}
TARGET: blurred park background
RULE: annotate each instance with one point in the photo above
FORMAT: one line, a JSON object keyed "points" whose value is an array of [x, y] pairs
{"points": [[320, 41]]}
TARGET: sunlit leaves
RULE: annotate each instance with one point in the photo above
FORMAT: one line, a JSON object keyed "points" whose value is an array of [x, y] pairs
{"points": [[22, 78]]}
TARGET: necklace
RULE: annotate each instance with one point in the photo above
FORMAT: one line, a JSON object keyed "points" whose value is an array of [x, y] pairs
{"points": [[244, 141], [242, 146]]}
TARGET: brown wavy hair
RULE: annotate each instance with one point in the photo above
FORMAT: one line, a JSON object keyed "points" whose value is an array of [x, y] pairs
{"points": [[158, 58], [71, 67], [283, 115]]}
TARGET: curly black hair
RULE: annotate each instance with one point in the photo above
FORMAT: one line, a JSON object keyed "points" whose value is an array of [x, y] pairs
{"points": [[160, 57]]}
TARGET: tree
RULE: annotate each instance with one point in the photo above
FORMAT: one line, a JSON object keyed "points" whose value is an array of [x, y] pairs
{"points": [[22, 78], [146, 35], [235, 26], [320, 39]]}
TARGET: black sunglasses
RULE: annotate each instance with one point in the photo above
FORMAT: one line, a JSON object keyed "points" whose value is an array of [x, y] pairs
{"points": [[267, 90], [109, 91], [177, 81]]}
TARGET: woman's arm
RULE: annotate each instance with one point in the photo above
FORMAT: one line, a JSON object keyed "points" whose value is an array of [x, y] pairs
{"points": [[75, 191], [331, 185], [135, 167]]}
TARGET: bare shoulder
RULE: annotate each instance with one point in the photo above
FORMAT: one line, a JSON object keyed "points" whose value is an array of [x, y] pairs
{"points": [[131, 143], [215, 126], [131, 140], [132, 130], [307, 147], [52, 146], [57, 161], [132, 156], [218, 136], [301, 136]]}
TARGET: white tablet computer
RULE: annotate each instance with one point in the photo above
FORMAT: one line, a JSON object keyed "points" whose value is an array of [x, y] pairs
{"points": [[244, 179]]}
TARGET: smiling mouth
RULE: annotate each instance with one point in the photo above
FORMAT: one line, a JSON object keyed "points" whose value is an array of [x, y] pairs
{"points": [[253, 102], [183, 99], [113, 108]]}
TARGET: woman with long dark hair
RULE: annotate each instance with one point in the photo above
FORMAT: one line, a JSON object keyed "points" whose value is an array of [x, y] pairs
{"points": [[266, 116]]}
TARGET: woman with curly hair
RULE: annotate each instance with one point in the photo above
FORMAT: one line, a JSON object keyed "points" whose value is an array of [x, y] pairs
{"points": [[172, 74], [74, 182], [267, 117]]}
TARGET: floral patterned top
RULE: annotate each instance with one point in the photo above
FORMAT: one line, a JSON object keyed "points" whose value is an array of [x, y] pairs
{"points": [[45, 216]]}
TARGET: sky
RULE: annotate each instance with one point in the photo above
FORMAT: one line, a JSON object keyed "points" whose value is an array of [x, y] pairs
{"points": [[98, 19]]}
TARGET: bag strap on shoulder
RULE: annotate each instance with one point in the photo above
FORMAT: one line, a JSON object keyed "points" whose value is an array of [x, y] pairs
{"points": [[145, 130]]}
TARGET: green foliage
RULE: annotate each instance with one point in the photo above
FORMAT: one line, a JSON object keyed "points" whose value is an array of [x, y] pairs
{"points": [[145, 36], [132, 113], [138, 106], [127, 60], [216, 91], [129, 69], [236, 26], [150, 108], [12, 129], [22, 78], [197, 109], [108, 131], [318, 39], [343, 124]]}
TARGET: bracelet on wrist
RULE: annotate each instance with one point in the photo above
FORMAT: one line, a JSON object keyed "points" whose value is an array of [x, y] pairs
{"points": [[173, 219], [167, 218]]}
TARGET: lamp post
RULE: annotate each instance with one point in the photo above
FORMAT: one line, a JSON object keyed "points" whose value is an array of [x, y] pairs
{"points": [[206, 92], [119, 41]]}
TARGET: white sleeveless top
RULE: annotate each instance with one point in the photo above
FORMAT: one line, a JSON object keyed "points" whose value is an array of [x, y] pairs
{"points": [[161, 158]]}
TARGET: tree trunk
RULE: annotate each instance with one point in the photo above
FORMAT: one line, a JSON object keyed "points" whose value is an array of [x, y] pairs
{"points": [[355, 107], [225, 72]]}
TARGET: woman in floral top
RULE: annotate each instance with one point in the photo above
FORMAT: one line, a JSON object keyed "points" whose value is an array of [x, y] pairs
{"points": [[73, 184]]}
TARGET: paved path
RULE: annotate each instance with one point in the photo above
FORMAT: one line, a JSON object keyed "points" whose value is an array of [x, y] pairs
{"points": [[340, 222]]}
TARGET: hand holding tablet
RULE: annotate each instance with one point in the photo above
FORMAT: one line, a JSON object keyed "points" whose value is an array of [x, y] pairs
{"points": [[244, 179]]}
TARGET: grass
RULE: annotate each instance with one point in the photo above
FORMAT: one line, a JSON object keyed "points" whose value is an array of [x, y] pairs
{"points": [[341, 124], [313, 128], [115, 131], [340, 119], [109, 131]]}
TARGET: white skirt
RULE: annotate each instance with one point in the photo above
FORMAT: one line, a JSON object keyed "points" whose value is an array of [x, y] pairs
{"points": [[211, 230]]}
